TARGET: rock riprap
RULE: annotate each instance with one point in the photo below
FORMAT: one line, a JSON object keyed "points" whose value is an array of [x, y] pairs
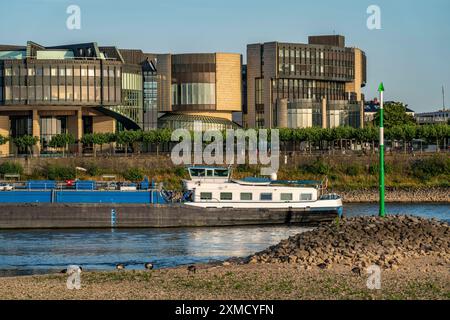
{"points": [[362, 241]]}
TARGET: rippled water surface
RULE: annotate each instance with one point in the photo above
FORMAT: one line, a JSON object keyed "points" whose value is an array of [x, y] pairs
{"points": [[42, 251]]}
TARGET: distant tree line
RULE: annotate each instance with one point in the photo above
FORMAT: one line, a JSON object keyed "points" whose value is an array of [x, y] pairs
{"points": [[313, 138]]}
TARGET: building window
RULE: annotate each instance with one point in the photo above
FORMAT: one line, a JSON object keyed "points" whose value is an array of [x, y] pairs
{"points": [[246, 196], [265, 197], [205, 196], [226, 196]]}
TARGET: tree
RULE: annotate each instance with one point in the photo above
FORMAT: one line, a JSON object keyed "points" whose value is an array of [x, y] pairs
{"points": [[126, 138], [395, 115], [26, 142], [62, 140], [3, 140]]}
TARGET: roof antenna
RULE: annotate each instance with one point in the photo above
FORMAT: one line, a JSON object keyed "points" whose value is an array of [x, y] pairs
{"points": [[443, 98]]}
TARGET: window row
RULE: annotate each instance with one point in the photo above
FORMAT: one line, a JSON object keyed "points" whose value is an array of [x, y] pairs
{"points": [[62, 71], [315, 69], [194, 93], [312, 53], [62, 93], [248, 196]]}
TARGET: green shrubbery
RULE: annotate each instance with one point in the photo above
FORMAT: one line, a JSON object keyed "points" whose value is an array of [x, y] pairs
{"points": [[53, 172], [430, 167], [317, 167], [133, 174], [11, 168]]}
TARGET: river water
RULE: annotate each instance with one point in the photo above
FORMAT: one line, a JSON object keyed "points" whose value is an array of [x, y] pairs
{"points": [[44, 251]]}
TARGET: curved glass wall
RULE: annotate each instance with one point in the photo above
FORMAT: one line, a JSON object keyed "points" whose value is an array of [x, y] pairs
{"points": [[131, 105], [194, 93], [304, 114], [343, 113]]}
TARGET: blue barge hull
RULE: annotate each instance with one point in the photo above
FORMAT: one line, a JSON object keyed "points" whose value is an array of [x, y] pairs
{"points": [[82, 196]]}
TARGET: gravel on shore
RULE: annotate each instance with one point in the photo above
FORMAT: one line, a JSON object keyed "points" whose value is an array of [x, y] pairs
{"points": [[398, 195], [329, 262]]}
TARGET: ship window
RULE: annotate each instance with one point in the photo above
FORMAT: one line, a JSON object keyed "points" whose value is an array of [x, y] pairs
{"points": [[221, 173], [226, 196], [286, 197], [209, 173], [198, 172], [206, 196], [306, 197], [246, 196], [265, 197]]}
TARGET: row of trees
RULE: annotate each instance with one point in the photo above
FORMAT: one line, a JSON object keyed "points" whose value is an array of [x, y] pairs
{"points": [[313, 137]]}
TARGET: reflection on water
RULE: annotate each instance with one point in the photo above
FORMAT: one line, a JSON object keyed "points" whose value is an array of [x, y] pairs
{"points": [[41, 251]]}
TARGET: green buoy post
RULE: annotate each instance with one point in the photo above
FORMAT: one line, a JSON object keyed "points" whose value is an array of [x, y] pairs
{"points": [[382, 208]]}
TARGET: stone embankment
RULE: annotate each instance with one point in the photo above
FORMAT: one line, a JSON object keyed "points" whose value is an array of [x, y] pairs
{"points": [[362, 242], [441, 195]]}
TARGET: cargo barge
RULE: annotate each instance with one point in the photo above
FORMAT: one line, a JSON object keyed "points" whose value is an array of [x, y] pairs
{"points": [[211, 198]]}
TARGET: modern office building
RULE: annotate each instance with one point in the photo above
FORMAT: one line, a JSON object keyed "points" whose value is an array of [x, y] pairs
{"points": [[49, 90], [86, 88], [302, 85], [436, 117]]}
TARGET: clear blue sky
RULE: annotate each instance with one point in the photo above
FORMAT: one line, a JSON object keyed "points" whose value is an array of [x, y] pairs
{"points": [[411, 53]]}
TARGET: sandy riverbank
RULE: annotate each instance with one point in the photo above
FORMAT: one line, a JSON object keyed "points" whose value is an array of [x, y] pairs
{"points": [[329, 262], [419, 279]]}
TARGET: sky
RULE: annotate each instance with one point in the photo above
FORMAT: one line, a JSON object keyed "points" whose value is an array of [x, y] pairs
{"points": [[410, 53]]}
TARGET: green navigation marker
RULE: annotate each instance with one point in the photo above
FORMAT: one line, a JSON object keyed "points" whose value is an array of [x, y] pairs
{"points": [[382, 209]]}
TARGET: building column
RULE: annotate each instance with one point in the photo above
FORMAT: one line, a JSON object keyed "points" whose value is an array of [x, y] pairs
{"points": [[282, 113], [324, 113], [79, 130], [4, 131], [361, 114], [36, 132]]}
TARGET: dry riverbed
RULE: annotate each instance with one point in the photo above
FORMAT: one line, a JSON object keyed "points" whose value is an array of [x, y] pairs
{"points": [[420, 279], [329, 262]]}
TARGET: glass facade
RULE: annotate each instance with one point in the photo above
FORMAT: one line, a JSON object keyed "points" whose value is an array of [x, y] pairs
{"points": [[150, 100], [304, 60], [132, 97], [194, 82], [61, 83], [343, 113], [306, 75], [51, 126], [304, 114]]}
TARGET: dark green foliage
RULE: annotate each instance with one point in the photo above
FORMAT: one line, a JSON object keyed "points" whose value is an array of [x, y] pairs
{"points": [[353, 170], [25, 142], [374, 169], [133, 174], [3, 140], [10, 167], [317, 167], [62, 140], [430, 167], [179, 171], [54, 172], [395, 115], [93, 170]]}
